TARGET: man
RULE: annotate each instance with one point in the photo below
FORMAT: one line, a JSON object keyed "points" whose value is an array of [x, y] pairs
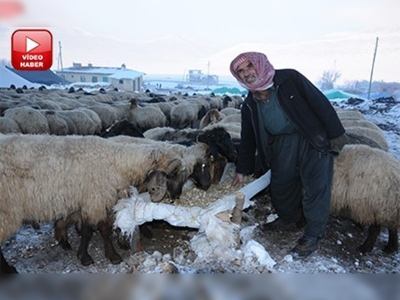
{"points": [[290, 127]]}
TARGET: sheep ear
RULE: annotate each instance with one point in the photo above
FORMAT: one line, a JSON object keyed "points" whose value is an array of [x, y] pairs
{"points": [[174, 166]]}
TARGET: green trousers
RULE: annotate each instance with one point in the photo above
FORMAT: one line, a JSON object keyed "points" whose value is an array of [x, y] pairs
{"points": [[301, 177]]}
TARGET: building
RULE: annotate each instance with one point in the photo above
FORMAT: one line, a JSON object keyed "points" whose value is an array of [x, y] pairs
{"points": [[47, 77], [197, 77], [120, 78]]}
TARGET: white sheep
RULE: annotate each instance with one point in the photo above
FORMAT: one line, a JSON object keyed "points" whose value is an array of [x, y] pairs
{"points": [[28, 119], [8, 125], [184, 115], [366, 187], [346, 114], [227, 111], [57, 123], [46, 177], [146, 117], [107, 113], [83, 122], [211, 117], [374, 135]]}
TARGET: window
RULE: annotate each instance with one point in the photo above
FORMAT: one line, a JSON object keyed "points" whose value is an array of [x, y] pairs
{"points": [[105, 79], [83, 78], [94, 78], [120, 81]]}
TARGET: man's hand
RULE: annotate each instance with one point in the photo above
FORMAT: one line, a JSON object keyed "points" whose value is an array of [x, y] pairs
{"points": [[238, 179], [338, 144]]}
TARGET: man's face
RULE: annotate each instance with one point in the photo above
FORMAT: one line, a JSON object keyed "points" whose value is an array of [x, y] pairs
{"points": [[247, 73]]}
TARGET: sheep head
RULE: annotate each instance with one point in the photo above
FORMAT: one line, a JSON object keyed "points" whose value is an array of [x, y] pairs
{"points": [[220, 142]]}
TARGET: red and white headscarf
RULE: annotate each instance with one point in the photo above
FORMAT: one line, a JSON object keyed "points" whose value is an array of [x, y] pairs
{"points": [[263, 67]]}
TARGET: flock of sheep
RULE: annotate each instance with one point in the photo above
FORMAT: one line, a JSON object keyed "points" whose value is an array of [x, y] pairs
{"points": [[69, 156]]}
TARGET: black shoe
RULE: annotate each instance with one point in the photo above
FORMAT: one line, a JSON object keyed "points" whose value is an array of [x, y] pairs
{"points": [[304, 247], [279, 225]]}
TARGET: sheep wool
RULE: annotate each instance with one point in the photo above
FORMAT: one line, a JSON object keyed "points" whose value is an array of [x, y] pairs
{"points": [[45, 177], [366, 184]]}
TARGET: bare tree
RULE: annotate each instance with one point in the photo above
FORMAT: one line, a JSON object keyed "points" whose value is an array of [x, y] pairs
{"points": [[5, 62], [328, 79]]}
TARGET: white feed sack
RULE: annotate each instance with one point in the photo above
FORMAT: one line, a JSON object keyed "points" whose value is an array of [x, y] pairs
{"points": [[217, 235]]}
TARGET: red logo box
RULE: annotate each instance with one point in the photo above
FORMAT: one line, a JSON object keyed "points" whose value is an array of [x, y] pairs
{"points": [[32, 49]]}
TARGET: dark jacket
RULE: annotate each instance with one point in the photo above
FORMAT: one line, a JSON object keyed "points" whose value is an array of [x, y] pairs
{"points": [[306, 107]]}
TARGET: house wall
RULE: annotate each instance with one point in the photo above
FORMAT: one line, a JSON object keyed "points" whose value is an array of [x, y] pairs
{"points": [[84, 77], [128, 84]]}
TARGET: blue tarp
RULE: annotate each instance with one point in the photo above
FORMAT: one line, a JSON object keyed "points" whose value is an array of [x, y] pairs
{"points": [[337, 94], [227, 90]]}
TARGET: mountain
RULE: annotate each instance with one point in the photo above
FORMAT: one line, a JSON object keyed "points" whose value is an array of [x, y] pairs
{"points": [[350, 53]]}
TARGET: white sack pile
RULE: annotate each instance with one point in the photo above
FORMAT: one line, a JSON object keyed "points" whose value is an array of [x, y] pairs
{"points": [[217, 235]]}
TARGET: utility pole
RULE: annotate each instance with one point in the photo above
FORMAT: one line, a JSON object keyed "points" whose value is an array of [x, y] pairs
{"points": [[372, 70], [208, 73], [60, 63]]}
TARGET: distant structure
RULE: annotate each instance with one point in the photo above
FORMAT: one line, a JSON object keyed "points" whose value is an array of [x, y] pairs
{"points": [[197, 77], [121, 78]]}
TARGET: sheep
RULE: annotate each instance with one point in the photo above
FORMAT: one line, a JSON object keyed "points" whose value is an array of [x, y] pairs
{"points": [[228, 102], [183, 115], [29, 120], [83, 122], [108, 114], [211, 117], [57, 124], [227, 111], [155, 184], [46, 177], [166, 109], [374, 135], [48, 104], [354, 138], [345, 114], [123, 127], [366, 185], [8, 125], [195, 158], [95, 118], [217, 138], [146, 117], [236, 118], [359, 123]]}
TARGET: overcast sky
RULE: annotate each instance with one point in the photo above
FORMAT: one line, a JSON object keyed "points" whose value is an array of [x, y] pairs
{"points": [[222, 23]]}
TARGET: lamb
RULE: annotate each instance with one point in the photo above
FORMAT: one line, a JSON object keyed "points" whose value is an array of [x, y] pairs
{"points": [[366, 186], [46, 177]]}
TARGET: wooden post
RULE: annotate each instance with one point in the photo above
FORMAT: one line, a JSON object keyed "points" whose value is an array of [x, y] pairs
{"points": [[237, 210]]}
